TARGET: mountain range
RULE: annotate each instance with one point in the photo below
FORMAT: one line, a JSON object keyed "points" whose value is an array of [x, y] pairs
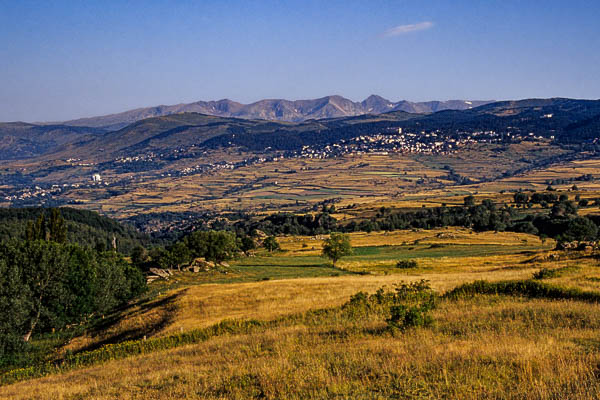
{"points": [[277, 110], [566, 120]]}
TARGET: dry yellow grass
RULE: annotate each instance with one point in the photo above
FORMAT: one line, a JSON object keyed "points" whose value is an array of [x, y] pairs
{"points": [[203, 305], [486, 347], [206, 304], [503, 348]]}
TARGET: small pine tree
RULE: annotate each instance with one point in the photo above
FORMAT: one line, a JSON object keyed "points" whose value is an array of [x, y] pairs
{"points": [[57, 228], [39, 228]]}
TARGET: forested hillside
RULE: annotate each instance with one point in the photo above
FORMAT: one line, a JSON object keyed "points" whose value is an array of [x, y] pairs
{"points": [[86, 228], [52, 279]]}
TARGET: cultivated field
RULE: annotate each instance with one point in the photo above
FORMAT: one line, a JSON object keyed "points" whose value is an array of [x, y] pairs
{"points": [[368, 180]]}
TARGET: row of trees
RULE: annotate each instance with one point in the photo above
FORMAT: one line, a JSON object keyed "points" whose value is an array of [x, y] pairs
{"points": [[546, 198], [291, 224], [485, 216], [216, 246]]}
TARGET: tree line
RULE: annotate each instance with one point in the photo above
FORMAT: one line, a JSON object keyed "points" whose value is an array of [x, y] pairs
{"points": [[561, 220], [86, 228]]}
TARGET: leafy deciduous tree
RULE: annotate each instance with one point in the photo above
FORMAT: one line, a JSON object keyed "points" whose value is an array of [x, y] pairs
{"points": [[337, 246]]}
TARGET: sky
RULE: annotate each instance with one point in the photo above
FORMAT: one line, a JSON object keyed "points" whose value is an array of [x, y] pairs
{"points": [[67, 59]]}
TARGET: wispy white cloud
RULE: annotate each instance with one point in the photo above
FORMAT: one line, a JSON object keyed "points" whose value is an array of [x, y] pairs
{"points": [[402, 29]]}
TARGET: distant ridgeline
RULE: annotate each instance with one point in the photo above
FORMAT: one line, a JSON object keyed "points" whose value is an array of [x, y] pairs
{"points": [[568, 121], [86, 228]]}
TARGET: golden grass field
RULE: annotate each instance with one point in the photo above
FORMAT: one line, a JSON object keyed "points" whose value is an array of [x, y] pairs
{"points": [[488, 346]]}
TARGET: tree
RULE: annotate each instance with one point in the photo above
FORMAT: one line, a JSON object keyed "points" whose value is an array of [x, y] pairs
{"points": [[159, 256], [44, 266], [489, 204], [337, 246], [580, 228], [139, 256], [46, 285], [563, 209], [36, 230], [180, 254], [521, 198], [271, 244], [57, 229], [469, 201], [213, 245], [15, 301], [247, 244]]}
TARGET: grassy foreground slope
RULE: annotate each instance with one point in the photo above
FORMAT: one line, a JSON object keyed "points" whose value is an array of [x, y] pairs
{"points": [[485, 347], [479, 346]]}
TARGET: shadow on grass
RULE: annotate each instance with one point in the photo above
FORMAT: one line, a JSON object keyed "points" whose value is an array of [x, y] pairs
{"points": [[137, 332]]}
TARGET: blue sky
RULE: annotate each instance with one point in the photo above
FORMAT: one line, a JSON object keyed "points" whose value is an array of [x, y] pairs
{"points": [[67, 59]]}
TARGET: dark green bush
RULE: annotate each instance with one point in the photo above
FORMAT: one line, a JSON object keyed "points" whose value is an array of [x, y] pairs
{"points": [[412, 305], [545, 273], [403, 317], [406, 306], [526, 288], [406, 264]]}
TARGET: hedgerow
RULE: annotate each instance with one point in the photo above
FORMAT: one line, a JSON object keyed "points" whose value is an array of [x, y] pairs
{"points": [[526, 288]]}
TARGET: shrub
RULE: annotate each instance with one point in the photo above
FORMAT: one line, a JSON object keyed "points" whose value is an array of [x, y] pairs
{"points": [[544, 273], [526, 288], [547, 273], [437, 246], [406, 264], [406, 306], [412, 304], [403, 317]]}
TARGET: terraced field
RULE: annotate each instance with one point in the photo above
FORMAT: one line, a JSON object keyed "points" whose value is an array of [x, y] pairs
{"points": [[406, 180]]}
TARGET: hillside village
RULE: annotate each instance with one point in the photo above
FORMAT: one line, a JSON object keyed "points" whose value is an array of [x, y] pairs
{"points": [[151, 165]]}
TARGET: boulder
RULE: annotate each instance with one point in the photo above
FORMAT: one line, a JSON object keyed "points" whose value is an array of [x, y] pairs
{"points": [[160, 272], [200, 264], [261, 235]]}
